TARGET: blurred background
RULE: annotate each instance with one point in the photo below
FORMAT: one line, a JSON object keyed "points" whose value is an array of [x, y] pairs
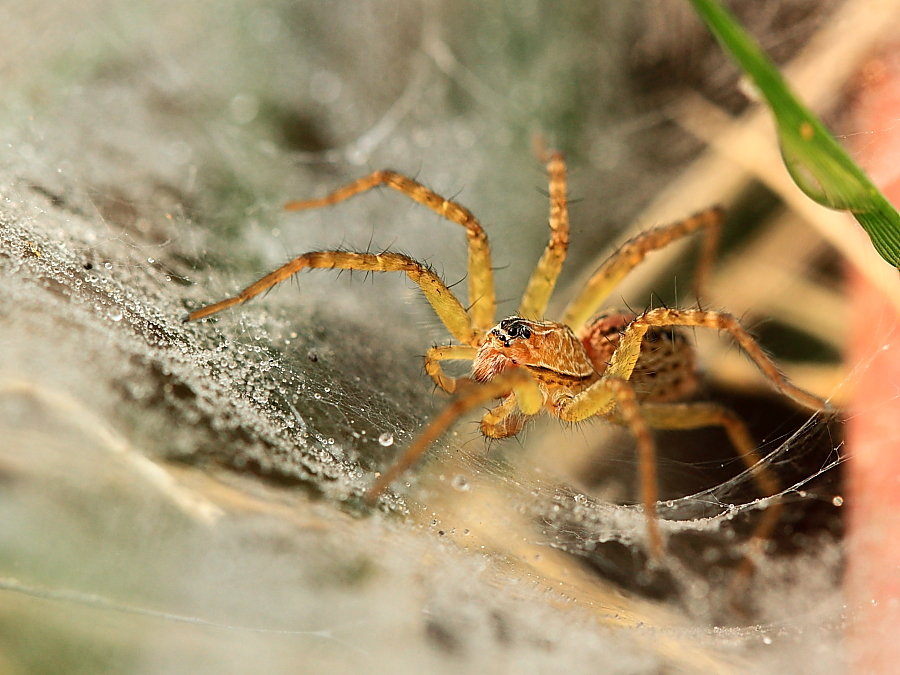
{"points": [[180, 497]]}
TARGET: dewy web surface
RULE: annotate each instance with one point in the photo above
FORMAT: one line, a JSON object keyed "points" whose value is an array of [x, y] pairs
{"points": [[146, 155]]}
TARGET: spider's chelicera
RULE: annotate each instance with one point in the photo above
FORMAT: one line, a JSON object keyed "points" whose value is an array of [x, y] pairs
{"points": [[631, 369]]}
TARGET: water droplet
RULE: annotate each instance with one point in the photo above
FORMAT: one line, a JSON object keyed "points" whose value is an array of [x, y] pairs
{"points": [[767, 640], [244, 108], [115, 314], [838, 500], [386, 439], [460, 483]]}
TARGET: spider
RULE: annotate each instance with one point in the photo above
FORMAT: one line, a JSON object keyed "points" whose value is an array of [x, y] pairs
{"points": [[632, 369]]}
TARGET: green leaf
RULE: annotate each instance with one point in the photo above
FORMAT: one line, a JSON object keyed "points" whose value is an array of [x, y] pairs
{"points": [[815, 160]]}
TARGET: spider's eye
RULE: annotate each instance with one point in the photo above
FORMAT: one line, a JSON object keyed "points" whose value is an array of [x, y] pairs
{"points": [[516, 329]]}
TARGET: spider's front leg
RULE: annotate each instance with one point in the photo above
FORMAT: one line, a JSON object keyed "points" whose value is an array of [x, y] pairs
{"points": [[445, 304], [482, 301]]}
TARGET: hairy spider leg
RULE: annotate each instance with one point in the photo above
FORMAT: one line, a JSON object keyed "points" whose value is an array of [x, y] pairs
{"points": [[622, 362], [469, 395], [699, 414], [445, 304], [696, 415], [446, 353], [614, 388], [633, 251], [543, 279], [482, 301]]}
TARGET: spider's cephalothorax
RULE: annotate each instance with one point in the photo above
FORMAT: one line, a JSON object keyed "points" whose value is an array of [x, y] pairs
{"points": [[548, 350], [627, 368]]}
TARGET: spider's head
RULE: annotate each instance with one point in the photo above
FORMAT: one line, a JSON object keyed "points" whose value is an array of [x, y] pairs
{"points": [[539, 346]]}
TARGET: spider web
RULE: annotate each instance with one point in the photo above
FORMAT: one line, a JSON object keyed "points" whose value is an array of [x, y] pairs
{"points": [[212, 472]]}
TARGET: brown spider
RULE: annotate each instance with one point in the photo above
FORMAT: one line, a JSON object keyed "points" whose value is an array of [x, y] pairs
{"points": [[625, 367]]}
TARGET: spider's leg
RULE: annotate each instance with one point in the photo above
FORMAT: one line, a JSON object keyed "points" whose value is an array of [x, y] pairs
{"points": [[626, 355], [446, 353], [445, 304], [543, 279], [527, 393], [482, 301], [695, 415], [599, 399], [633, 251]]}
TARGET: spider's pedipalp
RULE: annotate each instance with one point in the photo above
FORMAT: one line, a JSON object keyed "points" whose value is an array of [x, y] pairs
{"points": [[482, 300], [446, 353], [504, 420]]}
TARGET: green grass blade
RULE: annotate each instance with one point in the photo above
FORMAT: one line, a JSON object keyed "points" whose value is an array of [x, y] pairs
{"points": [[815, 160]]}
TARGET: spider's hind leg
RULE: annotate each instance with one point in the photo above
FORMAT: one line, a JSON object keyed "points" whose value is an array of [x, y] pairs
{"points": [[696, 415]]}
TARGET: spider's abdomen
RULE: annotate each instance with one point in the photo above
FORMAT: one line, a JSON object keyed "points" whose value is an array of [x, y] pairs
{"points": [[666, 368]]}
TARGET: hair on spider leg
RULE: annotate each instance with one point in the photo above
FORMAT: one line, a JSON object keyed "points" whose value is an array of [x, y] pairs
{"points": [[503, 301], [630, 308], [457, 283], [672, 329], [659, 298]]}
